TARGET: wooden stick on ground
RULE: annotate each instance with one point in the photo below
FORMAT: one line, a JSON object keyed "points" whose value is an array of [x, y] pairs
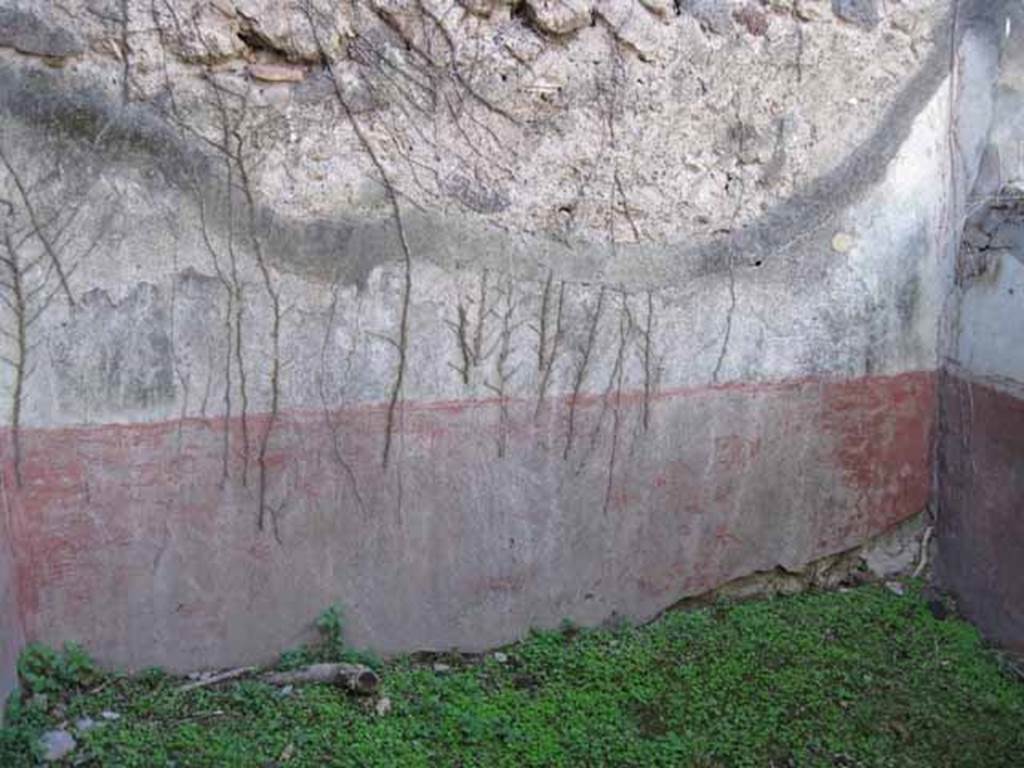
{"points": [[923, 562], [355, 677], [230, 674]]}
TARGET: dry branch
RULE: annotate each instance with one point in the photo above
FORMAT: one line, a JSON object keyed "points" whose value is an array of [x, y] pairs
{"points": [[231, 674], [354, 677]]}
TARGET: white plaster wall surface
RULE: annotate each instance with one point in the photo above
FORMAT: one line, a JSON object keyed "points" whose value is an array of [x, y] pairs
{"points": [[785, 219], [990, 322], [992, 317]]}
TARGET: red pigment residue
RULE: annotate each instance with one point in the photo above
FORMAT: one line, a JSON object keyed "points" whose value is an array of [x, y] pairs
{"points": [[882, 429], [982, 522], [696, 500]]}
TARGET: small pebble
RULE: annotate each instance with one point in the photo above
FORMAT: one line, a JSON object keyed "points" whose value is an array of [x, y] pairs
{"points": [[938, 609], [442, 668], [501, 658], [383, 706], [895, 587], [56, 745], [106, 714]]}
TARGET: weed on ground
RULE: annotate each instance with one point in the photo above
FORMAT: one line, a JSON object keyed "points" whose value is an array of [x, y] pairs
{"points": [[862, 677]]}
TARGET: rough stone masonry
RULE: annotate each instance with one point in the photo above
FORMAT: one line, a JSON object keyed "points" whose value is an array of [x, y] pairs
{"points": [[470, 315]]}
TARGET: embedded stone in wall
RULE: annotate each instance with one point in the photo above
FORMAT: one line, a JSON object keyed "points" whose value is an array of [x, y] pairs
{"points": [[560, 17], [864, 13], [27, 32]]}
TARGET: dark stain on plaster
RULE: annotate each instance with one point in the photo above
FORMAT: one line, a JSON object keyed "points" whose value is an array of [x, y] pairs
{"points": [[27, 33], [863, 13], [908, 299], [194, 283], [115, 355], [475, 195]]}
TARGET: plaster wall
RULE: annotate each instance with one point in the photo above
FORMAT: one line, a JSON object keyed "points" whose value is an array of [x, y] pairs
{"points": [[11, 635], [981, 459], [470, 317]]}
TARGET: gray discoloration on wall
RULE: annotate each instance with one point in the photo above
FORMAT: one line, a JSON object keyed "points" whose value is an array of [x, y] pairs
{"points": [[114, 356], [865, 13], [26, 32]]}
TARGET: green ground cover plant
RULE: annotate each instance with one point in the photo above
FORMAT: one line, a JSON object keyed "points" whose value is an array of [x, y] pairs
{"points": [[862, 677]]}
